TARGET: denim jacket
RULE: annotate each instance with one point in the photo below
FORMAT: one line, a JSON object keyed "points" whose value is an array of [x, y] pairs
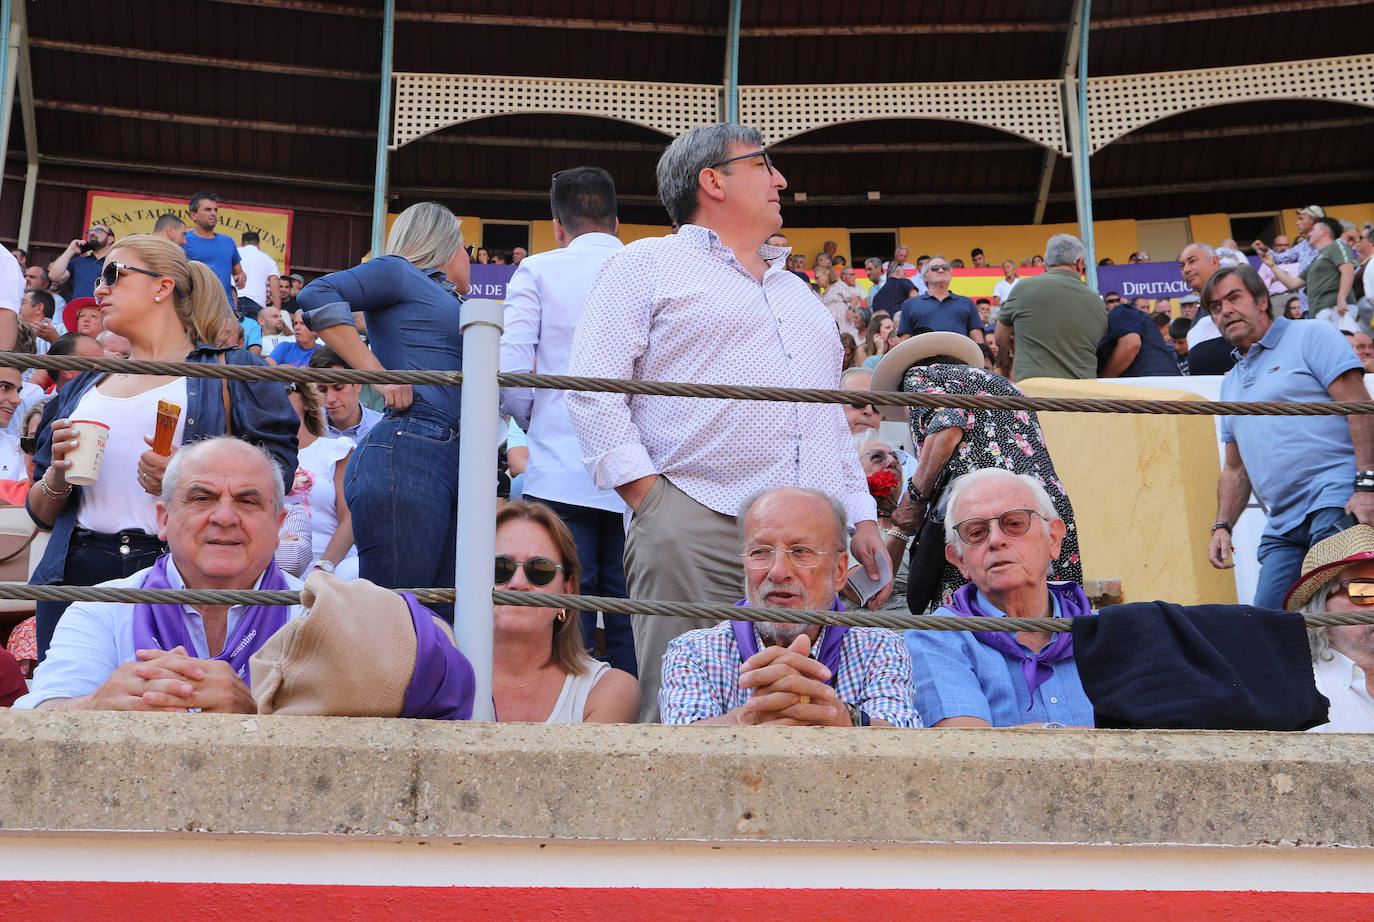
{"points": [[262, 415]]}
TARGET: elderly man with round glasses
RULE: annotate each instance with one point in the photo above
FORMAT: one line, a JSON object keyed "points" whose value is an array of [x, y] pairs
{"points": [[1338, 576], [744, 673], [1003, 534]]}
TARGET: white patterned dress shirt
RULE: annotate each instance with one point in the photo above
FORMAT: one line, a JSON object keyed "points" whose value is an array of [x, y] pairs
{"points": [[682, 308]]}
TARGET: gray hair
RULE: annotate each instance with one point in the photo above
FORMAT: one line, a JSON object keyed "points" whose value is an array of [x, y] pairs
{"points": [[1318, 638], [850, 374], [679, 168], [932, 259], [862, 439], [873, 261], [1064, 250], [1043, 504], [841, 517], [1347, 225], [171, 478], [1206, 250], [426, 234]]}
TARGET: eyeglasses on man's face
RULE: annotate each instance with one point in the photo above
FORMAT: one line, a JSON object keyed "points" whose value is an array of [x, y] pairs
{"points": [[760, 557], [767, 161], [1014, 523]]}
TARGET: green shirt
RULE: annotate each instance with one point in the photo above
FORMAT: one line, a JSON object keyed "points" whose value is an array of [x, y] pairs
{"points": [[1323, 276], [1058, 322]]}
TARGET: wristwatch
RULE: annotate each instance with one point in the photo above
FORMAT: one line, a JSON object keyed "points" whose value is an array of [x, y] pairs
{"points": [[324, 565]]}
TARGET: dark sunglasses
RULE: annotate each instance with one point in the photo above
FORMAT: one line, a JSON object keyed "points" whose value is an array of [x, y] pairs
{"points": [[1359, 591], [767, 161], [1113, 300], [29, 445], [938, 267], [1014, 523], [540, 571], [110, 274], [864, 406]]}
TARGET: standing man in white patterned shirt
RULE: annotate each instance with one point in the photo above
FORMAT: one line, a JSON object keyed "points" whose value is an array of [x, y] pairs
{"points": [[711, 304]]}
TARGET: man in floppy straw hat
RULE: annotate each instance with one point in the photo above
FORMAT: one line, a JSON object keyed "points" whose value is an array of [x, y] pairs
{"points": [[1338, 576]]}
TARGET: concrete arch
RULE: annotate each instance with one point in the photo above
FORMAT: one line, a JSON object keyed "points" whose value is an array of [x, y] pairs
{"points": [[1119, 105], [1029, 109], [426, 103]]}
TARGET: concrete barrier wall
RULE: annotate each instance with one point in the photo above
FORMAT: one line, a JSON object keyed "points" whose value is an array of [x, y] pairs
{"points": [[382, 819]]}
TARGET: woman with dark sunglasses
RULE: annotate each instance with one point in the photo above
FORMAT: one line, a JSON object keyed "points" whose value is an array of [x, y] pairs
{"points": [[402, 481], [540, 669], [170, 309]]}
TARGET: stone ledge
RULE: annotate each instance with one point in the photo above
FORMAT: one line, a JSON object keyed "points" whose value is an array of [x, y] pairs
{"points": [[76, 772]]}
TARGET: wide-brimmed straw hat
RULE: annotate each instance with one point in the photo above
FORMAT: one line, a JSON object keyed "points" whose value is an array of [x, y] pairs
{"points": [[362, 651], [890, 371], [1328, 559]]}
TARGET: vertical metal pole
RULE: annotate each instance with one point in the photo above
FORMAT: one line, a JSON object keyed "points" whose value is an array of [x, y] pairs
{"points": [[732, 64], [383, 132], [9, 70], [1082, 146], [481, 321], [24, 89]]}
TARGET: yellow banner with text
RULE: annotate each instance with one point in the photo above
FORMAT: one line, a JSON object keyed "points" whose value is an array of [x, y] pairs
{"points": [[125, 213]]}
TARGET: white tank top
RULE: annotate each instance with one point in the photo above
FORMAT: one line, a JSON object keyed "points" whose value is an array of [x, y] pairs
{"points": [[117, 502], [572, 701]]}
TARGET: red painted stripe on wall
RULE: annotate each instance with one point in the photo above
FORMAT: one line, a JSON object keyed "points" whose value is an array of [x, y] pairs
{"points": [[101, 901]]}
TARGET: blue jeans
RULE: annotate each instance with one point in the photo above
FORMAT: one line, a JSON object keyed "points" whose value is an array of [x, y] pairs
{"points": [[1280, 556], [402, 489], [600, 537], [94, 558]]}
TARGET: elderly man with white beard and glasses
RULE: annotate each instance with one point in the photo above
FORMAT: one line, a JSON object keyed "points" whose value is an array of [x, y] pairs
{"points": [[743, 673]]}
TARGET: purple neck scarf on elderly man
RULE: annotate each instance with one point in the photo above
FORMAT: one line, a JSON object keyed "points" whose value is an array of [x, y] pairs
{"points": [[1035, 667], [163, 627], [831, 640]]}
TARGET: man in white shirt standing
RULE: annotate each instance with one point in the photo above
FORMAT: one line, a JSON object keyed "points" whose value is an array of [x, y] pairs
{"points": [[258, 269], [543, 303], [710, 304]]}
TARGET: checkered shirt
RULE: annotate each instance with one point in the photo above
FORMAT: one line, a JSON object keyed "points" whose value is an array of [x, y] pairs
{"points": [[701, 676]]}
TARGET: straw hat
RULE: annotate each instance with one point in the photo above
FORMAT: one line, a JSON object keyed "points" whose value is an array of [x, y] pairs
{"points": [[890, 371], [1328, 559], [362, 651]]}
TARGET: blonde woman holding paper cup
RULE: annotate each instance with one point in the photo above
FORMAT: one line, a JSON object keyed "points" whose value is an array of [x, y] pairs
{"points": [[103, 519]]}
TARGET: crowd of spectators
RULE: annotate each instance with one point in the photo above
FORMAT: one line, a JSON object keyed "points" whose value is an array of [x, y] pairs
{"points": [[771, 505]]}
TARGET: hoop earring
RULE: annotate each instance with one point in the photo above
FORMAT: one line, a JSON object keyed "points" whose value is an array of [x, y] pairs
{"points": [[562, 614]]}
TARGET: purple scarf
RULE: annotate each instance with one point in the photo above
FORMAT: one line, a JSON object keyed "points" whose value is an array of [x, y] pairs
{"points": [[1035, 667], [163, 627], [443, 684], [828, 656]]}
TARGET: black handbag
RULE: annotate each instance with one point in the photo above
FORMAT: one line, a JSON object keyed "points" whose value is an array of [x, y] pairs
{"points": [[926, 561]]}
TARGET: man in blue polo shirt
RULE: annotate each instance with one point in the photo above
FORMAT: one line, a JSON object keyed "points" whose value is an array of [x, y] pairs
{"points": [[215, 250], [939, 308], [1133, 346], [1307, 471]]}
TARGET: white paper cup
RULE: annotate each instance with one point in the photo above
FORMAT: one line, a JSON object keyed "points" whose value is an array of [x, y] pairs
{"points": [[90, 451]]}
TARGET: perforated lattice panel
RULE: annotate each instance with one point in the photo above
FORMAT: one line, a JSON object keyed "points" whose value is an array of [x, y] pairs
{"points": [[429, 102], [1118, 105], [1028, 108]]}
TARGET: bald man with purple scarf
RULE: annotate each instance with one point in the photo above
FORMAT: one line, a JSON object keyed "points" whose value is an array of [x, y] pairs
{"points": [[219, 513], [746, 673], [1002, 533]]}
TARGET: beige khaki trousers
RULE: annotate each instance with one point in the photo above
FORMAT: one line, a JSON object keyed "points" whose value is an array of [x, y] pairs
{"points": [[676, 550]]}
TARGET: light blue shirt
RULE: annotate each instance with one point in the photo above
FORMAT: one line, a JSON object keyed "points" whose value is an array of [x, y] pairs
{"points": [[1297, 465], [955, 675], [93, 639], [359, 430]]}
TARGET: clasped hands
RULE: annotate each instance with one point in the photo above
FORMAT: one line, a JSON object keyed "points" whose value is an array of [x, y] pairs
{"points": [[170, 680], [789, 690]]}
